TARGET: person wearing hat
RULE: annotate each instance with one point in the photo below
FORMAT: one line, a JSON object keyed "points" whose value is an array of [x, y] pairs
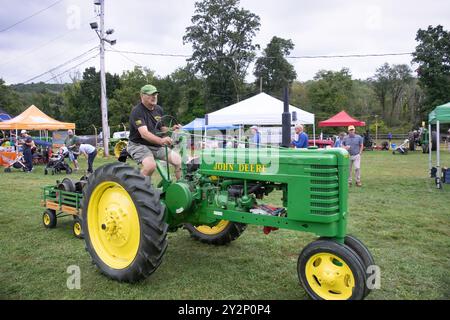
{"points": [[354, 144], [71, 142], [302, 139], [256, 136], [144, 145], [27, 149]]}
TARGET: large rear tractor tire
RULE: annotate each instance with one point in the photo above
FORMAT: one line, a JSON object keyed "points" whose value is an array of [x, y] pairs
{"points": [[123, 223], [220, 234], [331, 271]]}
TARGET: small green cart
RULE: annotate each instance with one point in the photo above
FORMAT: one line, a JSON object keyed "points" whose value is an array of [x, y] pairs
{"points": [[58, 204]]}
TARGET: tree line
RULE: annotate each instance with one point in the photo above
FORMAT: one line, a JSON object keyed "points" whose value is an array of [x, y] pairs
{"points": [[222, 38]]}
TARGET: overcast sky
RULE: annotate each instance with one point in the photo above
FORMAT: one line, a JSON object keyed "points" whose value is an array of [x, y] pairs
{"points": [[320, 27]]}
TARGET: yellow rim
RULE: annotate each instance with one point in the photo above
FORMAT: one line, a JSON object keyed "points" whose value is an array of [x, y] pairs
{"points": [[46, 219], [113, 225], [119, 147], [77, 228], [218, 228], [329, 277]]}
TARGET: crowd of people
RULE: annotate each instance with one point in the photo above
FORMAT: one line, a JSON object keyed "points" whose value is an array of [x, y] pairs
{"points": [[26, 145]]}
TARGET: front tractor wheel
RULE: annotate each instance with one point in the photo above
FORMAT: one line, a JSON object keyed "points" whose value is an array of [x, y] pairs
{"points": [[123, 223], [220, 234], [331, 271]]}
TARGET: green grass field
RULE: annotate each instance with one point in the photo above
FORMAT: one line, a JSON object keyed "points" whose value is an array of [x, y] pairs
{"points": [[398, 213]]}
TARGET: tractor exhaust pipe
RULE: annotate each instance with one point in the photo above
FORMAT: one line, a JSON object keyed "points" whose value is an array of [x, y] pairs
{"points": [[286, 121]]}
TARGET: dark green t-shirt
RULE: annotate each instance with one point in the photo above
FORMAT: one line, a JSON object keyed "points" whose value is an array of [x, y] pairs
{"points": [[70, 141], [142, 116]]}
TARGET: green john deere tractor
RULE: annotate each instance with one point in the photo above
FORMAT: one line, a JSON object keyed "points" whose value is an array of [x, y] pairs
{"points": [[126, 220]]}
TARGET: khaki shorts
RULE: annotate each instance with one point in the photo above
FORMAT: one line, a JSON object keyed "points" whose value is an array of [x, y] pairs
{"points": [[140, 151], [355, 161]]}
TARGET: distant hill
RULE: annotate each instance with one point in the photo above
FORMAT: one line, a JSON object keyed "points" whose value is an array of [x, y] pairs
{"points": [[39, 87]]}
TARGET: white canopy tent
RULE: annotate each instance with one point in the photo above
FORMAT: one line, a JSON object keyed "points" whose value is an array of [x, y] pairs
{"points": [[261, 109]]}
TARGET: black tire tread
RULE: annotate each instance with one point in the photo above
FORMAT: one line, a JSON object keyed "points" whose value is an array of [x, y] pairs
{"points": [[341, 250], [230, 233], [53, 219], [153, 240]]}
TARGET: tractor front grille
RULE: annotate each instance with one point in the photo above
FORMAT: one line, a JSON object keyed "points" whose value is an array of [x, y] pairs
{"points": [[324, 190]]}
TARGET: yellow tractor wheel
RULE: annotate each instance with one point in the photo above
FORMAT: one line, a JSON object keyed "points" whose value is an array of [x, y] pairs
{"points": [[123, 223], [329, 270], [221, 233]]}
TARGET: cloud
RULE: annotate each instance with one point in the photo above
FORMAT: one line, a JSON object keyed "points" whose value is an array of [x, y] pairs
{"points": [[316, 27]]}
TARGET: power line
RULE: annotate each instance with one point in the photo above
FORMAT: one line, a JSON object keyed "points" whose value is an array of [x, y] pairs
{"points": [[124, 56], [351, 55], [31, 16], [289, 57], [152, 54], [62, 65], [76, 66]]}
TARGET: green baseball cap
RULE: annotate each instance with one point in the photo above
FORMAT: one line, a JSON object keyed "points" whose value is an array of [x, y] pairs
{"points": [[149, 89]]}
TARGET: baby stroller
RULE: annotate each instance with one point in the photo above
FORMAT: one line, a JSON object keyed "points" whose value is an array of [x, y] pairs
{"points": [[403, 148], [57, 162], [17, 163]]}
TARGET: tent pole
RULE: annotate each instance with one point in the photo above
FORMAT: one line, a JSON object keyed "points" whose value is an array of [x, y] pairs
{"points": [[17, 145], [430, 160], [314, 133], [430, 146], [239, 134], [438, 156]]}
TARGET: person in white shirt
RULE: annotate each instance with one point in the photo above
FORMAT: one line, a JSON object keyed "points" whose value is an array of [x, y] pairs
{"points": [[90, 152]]}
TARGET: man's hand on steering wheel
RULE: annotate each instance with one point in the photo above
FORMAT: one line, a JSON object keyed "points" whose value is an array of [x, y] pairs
{"points": [[166, 141]]}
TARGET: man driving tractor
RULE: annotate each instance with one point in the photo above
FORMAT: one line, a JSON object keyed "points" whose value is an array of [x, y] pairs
{"points": [[144, 144]]}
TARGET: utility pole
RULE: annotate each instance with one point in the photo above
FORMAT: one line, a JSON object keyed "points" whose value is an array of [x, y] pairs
{"points": [[104, 103], [103, 100]]}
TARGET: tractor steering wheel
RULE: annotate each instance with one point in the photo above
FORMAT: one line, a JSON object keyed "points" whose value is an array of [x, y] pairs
{"points": [[168, 122]]}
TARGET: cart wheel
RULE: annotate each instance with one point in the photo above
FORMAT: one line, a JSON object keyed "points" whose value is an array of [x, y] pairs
{"points": [[49, 218], [76, 228], [331, 271], [7, 170], [69, 170]]}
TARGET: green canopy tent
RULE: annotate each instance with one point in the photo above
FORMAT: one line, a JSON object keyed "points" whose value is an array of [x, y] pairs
{"points": [[439, 115]]}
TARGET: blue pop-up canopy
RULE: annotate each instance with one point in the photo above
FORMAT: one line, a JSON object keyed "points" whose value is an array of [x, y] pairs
{"points": [[199, 124], [4, 116]]}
